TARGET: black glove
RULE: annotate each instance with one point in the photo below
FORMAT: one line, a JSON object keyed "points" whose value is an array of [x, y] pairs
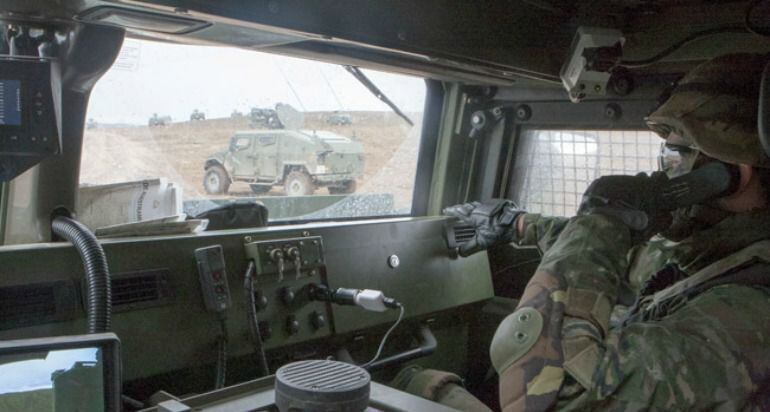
{"points": [[633, 200], [494, 221]]}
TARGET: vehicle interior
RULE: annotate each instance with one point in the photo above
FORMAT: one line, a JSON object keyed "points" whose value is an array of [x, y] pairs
{"points": [[527, 100]]}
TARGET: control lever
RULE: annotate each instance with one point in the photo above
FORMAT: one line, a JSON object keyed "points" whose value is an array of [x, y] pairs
{"points": [[293, 253], [277, 256]]}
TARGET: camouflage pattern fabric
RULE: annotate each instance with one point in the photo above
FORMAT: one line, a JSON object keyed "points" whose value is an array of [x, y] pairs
{"points": [[715, 107], [439, 386], [709, 354], [576, 278]]}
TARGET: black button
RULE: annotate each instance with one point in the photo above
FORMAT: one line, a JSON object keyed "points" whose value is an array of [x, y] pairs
{"points": [[260, 300], [287, 295], [318, 320], [292, 325]]}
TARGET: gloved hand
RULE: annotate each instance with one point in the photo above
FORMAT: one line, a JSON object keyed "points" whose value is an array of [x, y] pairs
{"points": [[633, 200], [494, 220]]}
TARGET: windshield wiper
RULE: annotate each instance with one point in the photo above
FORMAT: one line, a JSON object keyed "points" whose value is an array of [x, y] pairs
{"points": [[361, 77]]}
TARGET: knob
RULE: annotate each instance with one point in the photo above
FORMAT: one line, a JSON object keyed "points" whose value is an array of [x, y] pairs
{"points": [[265, 330], [318, 320], [292, 325], [261, 300], [287, 296]]}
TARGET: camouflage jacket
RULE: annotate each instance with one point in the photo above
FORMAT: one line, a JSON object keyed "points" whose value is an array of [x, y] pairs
{"points": [[711, 353]]}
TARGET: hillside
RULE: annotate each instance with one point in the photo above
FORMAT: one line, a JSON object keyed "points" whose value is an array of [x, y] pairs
{"points": [[178, 152], [39, 400]]}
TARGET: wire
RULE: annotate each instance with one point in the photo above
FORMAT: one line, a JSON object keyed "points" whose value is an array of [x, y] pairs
{"points": [[747, 27], [221, 354], [262, 367], [678, 45], [385, 338]]}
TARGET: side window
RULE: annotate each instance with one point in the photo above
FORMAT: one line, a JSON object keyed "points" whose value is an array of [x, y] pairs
{"points": [[554, 167], [241, 143], [266, 140]]}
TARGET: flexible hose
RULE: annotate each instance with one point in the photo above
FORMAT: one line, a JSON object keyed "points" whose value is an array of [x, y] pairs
{"points": [[99, 295]]}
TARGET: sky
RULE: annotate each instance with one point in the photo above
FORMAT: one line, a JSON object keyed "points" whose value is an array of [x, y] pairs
{"points": [[173, 80], [34, 374]]}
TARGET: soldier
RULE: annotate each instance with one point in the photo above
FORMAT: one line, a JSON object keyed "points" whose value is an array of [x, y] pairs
{"points": [[697, 331]]}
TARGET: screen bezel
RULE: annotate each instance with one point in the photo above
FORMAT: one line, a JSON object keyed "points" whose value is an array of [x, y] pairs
{"points": [[107, 342]]}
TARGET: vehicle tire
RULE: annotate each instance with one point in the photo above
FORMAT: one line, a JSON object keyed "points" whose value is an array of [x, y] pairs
{"points": [[346, 188], [298, 183], [260, 189], [216, 181]]}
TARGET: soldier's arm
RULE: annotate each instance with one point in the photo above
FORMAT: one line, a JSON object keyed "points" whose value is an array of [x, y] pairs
{"points": [[537, 230], [710, 354], [578, 278]]}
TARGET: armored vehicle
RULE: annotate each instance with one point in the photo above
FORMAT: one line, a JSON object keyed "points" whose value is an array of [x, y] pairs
{"points": [[197, 115], [156, 120], [264, 119], [332, 306], [298, 160], [339, 119]]}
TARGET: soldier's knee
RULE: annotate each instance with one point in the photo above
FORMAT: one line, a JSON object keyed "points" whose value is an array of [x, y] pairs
{"points": [[443, 387]]}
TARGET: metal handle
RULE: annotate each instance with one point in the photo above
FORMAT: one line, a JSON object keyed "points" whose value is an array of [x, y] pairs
{"points": [[427, 346]]}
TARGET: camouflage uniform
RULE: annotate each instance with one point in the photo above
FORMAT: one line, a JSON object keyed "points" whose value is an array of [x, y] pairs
{"points": [[665, 363], [573, 344]]}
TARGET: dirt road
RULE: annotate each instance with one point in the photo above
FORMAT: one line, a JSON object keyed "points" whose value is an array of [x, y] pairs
{"points": [[178, 152]]}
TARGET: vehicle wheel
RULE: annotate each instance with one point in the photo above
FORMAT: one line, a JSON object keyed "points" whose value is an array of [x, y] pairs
{"points": [[346, 188], [298, 184], [260, 189], [215, 181]]}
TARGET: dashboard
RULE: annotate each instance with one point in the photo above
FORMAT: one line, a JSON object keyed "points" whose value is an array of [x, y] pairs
{"points": [[160, 310]]}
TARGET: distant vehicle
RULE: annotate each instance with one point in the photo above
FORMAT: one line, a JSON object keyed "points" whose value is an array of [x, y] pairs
{"points": [[339, 119], [156, 120], [299, 160], [197, 115], [91, 124], [236, 114], [264, 119]]}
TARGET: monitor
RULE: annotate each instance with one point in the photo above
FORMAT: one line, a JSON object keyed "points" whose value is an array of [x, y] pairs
{"points": [[67, 373]]}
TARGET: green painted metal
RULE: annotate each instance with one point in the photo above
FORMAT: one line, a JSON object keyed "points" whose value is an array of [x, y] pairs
{"points": [[450, 173], [183, 334]]}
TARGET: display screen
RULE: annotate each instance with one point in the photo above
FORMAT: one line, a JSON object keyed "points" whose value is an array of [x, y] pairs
{"points": [[10, 102], [56, 380]]}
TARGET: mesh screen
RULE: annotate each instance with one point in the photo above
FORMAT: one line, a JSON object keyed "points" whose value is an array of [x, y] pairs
{"points": [[554, 167]]}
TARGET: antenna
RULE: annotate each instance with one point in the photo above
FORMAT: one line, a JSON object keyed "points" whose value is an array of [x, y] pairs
{"points": [[286, 79]]}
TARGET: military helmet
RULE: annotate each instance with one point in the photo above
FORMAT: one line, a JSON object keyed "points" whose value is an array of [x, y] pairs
{"points": [[714, 108]]}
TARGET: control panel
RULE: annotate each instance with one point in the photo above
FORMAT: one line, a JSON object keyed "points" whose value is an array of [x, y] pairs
{"points": [[285, 269], [211, 270], [30, 113]]}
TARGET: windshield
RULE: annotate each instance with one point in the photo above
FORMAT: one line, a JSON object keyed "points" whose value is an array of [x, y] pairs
{"points": [[178, 130]]}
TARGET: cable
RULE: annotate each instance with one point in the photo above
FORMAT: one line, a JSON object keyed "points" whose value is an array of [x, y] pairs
{"points": [[385, 338], [676, 46], [248, 282], [221, 354], [98, 293]]}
